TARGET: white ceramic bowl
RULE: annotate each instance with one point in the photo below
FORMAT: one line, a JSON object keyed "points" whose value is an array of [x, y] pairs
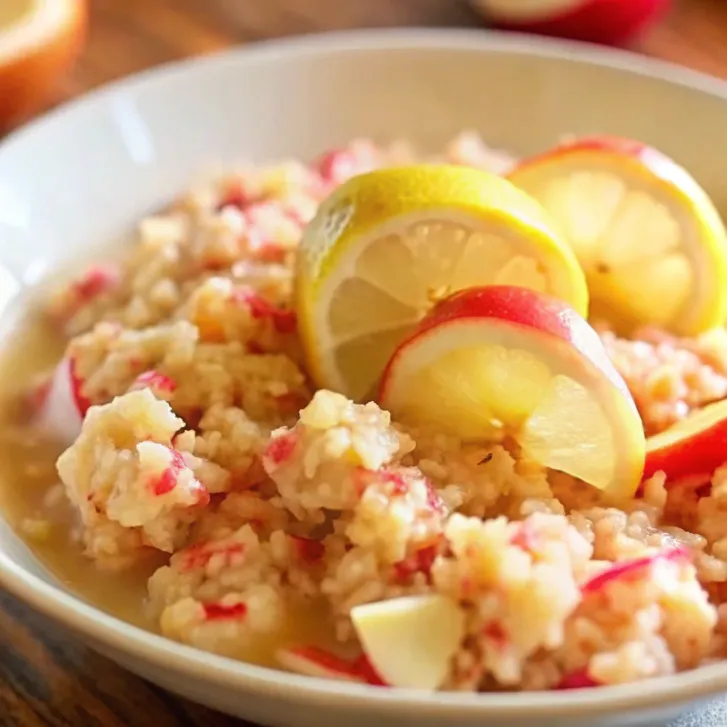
{"points": [[80, 177]]}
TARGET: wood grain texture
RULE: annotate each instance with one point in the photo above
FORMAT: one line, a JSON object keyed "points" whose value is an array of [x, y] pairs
{"points": [[46, 678]]}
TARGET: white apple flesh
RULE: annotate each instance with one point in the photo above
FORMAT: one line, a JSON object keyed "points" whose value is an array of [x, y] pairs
{"points": [[410, 641], [315, 662], [63, 407]]}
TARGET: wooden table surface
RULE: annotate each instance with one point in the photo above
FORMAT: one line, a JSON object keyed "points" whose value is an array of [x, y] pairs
{"points": [[46, 678]]}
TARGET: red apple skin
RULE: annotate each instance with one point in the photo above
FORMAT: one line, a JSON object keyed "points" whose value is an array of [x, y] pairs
{"points": [[609, 22], [657, 162], [359, 670], [325, 661], [629, 568], [83, 404], [580, 679], [520, 307], [701, 453]]}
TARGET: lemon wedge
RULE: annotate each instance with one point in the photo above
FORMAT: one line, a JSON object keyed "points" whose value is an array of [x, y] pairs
{"points": [[388, 245]]}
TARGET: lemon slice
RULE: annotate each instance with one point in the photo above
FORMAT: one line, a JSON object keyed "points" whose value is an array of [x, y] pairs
{"points": [[385, 246], [649, 239]]}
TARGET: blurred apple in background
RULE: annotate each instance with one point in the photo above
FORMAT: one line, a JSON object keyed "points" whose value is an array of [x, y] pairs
{"points": [[39, 40], [611, 22]]}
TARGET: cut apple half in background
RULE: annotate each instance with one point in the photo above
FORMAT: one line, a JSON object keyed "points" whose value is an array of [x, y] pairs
{"points": [[648, 237], [697, 445], [39, 39], [598, 21], [501, 361]]}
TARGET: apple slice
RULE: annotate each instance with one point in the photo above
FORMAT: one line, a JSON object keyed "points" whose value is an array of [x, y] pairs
{"points": [[630, 569], [504, 361], [316, 662], [697, 445], [410, 641], [62, 406], [598, 21], [639, 225]]}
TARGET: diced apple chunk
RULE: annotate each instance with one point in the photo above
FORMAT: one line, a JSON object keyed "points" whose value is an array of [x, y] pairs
{"points": [[63, 406], [410, 641]]}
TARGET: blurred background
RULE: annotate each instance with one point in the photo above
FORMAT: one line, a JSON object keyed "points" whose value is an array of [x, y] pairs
{"points": [[102, 40]]}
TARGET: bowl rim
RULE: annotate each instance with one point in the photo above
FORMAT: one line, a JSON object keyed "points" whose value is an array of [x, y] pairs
{"points": [[107, 631]]}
